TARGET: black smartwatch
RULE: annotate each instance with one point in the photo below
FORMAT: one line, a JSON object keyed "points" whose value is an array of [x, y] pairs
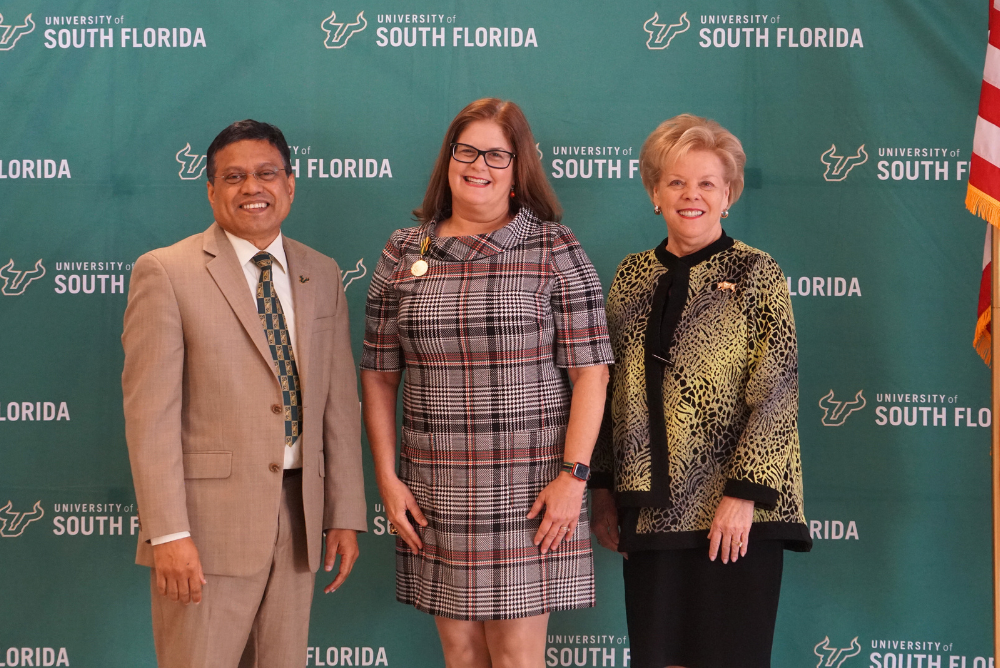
{"points": [[577, 470]]}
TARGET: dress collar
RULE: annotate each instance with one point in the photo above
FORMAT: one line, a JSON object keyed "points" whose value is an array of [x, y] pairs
{"points": [[671, 261], [246, 250], [463, 249]]}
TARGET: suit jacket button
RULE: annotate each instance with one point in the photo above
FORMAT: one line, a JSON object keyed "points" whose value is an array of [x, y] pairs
{"points": [[276, 409], [274, 468]]}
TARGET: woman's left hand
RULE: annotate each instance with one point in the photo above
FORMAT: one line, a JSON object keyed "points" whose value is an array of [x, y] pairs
{"points": [[562, 499], [730, 529]]}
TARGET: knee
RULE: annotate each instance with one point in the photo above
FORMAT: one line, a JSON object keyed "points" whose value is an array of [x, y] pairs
{"points": [[515, 657], [461, 652]]}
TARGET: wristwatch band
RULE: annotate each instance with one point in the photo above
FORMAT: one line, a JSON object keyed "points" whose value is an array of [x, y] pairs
{"points": [[577, 470]]}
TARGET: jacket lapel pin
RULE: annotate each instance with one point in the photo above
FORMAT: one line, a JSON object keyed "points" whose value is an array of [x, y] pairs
{"points": [[303, 279], [726, 285]]}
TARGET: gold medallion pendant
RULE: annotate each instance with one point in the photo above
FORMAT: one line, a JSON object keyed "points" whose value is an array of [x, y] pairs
{"points": [[419, 268]]}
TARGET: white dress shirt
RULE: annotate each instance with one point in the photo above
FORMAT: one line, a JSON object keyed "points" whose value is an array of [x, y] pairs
{"points": [[283, 286]]}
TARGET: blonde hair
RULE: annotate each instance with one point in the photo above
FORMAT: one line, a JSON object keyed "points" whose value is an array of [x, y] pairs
{"points": [[677, 136]]}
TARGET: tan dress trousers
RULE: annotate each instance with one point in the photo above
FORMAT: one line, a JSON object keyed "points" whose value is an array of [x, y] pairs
{"points": [[258, 621]]}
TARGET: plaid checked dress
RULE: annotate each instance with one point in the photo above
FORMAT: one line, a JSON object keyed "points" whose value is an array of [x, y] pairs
{"points": [[484, 337]]}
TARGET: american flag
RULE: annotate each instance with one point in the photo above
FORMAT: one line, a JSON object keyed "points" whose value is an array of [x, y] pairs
{"points": [[982, 340], [983, 197]]}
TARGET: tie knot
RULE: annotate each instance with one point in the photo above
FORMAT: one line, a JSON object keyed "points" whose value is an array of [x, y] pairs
{"points": [[262, 259]]}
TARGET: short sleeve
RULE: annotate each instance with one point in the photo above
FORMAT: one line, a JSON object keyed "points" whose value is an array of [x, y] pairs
{"points": [[381, 350], [577, 306]]}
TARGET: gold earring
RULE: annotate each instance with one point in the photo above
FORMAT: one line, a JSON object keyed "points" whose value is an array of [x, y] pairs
{"points": [[657, 210]]}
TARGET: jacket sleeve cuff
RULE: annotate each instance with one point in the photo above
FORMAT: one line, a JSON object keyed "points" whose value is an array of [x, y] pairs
{"points": [[763, 496], [169, 537], [600, 480]]}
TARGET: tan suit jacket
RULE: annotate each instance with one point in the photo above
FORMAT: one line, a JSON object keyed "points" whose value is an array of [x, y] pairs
{"points": [[203, 416]]}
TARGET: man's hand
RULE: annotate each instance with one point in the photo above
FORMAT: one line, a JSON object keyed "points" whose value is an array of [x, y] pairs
{"points": [[178, 571], [345, 543]]}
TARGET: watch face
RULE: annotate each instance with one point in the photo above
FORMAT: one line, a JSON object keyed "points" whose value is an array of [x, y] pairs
{"points": [[582, 471]]}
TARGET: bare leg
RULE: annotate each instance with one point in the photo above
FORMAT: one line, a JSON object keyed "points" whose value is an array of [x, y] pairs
{"points": [[517, 643], [463, 643]]}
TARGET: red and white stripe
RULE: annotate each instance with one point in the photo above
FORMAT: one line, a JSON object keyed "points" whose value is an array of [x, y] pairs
{"points": [[984, 173], [983, 196]]}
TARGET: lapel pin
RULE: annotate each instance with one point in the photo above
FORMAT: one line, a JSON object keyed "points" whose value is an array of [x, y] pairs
{"points": [[725, 285], [303, 279]]}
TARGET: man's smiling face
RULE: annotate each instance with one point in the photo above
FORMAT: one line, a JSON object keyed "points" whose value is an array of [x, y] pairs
{"points": [[253, 209]]}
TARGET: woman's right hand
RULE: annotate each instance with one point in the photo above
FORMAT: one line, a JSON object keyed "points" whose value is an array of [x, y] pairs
{"points": [[398, 499], [604, 518]]}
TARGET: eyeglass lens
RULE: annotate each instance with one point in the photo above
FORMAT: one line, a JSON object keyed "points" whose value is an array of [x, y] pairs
{"points": [[263, 175], [495, 158]]}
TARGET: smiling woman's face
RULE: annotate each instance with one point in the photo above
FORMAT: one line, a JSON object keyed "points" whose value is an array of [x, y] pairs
{"points": [[476, 185], [693, 193]]}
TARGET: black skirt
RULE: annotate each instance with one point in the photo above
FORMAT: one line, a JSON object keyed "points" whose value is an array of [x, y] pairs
{"points": [[684, 610]]}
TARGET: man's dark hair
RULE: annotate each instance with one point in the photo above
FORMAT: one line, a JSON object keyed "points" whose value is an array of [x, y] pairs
{"points": [[249, 129]]}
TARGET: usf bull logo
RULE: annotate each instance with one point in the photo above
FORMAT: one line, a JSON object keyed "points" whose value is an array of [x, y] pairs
{"points": [[660, 34], [12, 524], [10, 34], [835, 413], [15, 282], [832, 657], [337, 34], [838, 166], [349, 276], [192, 164]]}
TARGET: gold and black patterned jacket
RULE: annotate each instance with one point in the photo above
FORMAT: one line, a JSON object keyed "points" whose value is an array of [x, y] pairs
{"points": [[703, 399]]}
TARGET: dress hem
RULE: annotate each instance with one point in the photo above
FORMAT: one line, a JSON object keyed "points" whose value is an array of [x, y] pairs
{"points": [[476, 618], [795, 537]]}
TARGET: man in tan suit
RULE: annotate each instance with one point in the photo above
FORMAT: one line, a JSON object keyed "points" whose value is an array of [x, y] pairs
{"points": [[242, 420]]}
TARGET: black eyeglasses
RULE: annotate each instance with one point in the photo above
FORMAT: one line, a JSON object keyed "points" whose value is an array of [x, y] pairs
{"points": [[495, 158], [265, 175]]}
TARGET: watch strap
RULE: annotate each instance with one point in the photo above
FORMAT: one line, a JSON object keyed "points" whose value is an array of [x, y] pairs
{"points": [[577, 470]]}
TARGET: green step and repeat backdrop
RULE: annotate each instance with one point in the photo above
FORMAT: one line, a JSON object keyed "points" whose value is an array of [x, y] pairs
{"points": [[857, 118]]}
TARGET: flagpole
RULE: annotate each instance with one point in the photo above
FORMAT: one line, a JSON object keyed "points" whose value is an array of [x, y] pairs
{"points": [[995, 431]]}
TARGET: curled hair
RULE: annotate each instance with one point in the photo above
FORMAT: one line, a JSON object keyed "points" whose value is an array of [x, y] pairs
{"points": [[249, 129], [676, 136], [531, 188]]}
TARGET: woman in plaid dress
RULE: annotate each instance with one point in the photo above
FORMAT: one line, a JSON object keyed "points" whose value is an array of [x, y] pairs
{"points": [[496, 315]]}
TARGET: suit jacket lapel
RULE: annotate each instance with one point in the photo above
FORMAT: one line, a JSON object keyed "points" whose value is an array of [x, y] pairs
{"points": [[304, 298], [225, 269]]}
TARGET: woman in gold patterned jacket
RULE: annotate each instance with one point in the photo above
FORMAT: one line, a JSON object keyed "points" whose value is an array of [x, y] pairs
{"points": [[697, 476]]}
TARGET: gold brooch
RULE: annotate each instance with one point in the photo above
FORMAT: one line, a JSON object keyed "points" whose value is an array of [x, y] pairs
{"points": [[725, 285]]}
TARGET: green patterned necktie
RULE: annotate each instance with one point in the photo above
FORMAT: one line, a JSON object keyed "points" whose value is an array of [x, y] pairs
{"points": [[273, 320]]}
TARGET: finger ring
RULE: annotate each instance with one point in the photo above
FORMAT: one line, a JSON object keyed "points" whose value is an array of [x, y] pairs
{"points": [[564, 528], [739, 544]]}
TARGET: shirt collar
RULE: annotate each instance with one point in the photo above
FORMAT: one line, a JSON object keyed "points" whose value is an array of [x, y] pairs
{"points": [[671, 261], [246, 250], [464, 249]]}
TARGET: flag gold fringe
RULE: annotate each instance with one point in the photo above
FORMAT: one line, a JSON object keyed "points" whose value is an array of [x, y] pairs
{"points": [[983, 340], [984, 206]]}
